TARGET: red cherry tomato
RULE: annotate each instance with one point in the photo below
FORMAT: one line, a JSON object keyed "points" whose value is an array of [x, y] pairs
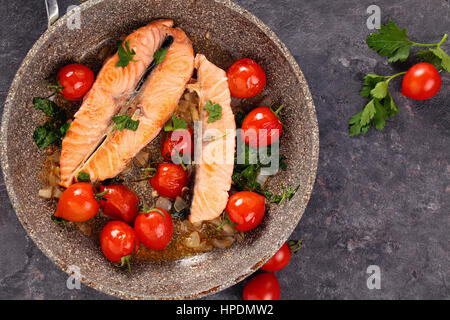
{"points": [[421, 82], [246, 209], [119, 203], [246, 79], [261, 127], [177, 143], [279, 260], [118, 241], [264, 286], [154, 228], [169, 180], [77, 203], [76, 80]]}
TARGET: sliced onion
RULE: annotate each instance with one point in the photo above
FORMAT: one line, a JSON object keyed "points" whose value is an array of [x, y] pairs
{"points": [[222, 244], [205, 246], [193, 241], [216, 222], [142, 158], [56, 193], [228, 229], [164, 203], [180, 204], [46, 193]]}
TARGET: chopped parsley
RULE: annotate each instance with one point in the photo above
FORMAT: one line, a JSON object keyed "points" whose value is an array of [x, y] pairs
{"points": [[160, 54], [125, 54], [55, 129], [175, 124], [214, 111], [84, 177], [125, 122]]}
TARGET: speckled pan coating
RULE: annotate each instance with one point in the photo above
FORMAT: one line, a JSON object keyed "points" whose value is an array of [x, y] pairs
{"points": [[230, 31]]}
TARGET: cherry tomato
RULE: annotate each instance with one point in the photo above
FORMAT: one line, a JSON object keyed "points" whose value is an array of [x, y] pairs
{"points": [[421, 82], [246, 209], [246, 79], [76, 80], [154, 228], [177, 143], [119, 202], [119, 241], [279, 260], [169, 180], [261, 127], [264, 286], [77, 203]]}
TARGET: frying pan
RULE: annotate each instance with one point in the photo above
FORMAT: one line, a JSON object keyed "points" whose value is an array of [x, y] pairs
{"points": [[224, 32]]}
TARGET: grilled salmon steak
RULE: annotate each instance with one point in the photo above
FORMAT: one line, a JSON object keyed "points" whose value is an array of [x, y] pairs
{"points": [[102, 102], [215, 167], [153, 107]]}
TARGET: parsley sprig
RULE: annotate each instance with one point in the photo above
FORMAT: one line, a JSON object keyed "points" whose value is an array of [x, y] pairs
{"points": [[126, 55], [393, 42], [380, 108]]}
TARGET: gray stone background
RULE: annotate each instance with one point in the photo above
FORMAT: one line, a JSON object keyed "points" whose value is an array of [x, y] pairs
{"points": [[381, 199]]}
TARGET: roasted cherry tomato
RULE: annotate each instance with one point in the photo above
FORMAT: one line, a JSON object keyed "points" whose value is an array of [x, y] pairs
{"points": [[264, 286], [246, 209], [119, 241], [170, 179], [119, 202], [279, 260], [176, 144], [74, 81], [154, 228], [246, 79], [261, 127], [78, 203], [421, 82]]}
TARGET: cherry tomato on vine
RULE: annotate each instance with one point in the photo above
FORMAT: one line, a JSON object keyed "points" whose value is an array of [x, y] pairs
{"points": [[74, 81], [78, 203], [169, 180], [154, 228], [177, 143], [261, 127], [119, 241], [246, 210], [119, 202], [279, 260], [264, 286], [421, 82], [246, 79]]}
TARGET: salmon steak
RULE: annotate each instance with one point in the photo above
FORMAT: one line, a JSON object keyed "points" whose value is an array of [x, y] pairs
{"points": [[155, 103], [90, 144], [214, 168]]}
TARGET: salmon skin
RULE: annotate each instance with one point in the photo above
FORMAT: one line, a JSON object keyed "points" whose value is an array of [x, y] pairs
{"points": [[154, 105], [214, 169], [104, 99]]}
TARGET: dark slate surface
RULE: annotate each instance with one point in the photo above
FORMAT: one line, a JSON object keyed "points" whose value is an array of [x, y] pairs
{"points": [[382, 199]]}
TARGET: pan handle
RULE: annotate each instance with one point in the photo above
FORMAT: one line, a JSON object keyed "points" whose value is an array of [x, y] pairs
{"points": [[52, 11]]}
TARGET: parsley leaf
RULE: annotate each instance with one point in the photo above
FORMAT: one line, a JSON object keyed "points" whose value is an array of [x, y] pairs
{"points": [[370, 81], [214, 111], [175, 124], [288, 194], [160, 54], [125, 54], [84, 177], [390, 42], [125, 122], [54, 129], [436, 57]]}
